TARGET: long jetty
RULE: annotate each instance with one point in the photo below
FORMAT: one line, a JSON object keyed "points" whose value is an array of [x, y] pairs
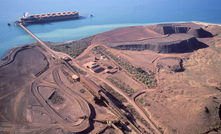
{"points": [[37, 39], [101, 94], [47, 48]]}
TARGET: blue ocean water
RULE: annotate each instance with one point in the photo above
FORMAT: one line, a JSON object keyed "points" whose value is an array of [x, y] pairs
{"points": [[107, 15]]}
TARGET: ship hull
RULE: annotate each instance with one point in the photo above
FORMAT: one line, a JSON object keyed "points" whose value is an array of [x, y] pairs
{"points": [[44, 18]]}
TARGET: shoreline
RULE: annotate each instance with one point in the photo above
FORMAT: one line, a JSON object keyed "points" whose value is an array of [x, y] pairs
{"points": [[205, 23], [121, 25], [7, 56]]}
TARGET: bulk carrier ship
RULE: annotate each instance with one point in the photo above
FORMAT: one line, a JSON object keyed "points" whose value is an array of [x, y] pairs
{"points": [[41, 18]]}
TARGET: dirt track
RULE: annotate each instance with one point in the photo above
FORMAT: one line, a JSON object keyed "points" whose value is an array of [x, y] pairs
{"points": [[120, 36], [31, 88], [130, 100], [38, 70]]}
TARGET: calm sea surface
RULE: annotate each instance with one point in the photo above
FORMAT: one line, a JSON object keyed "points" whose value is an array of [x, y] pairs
{"points": [[108, 14]]}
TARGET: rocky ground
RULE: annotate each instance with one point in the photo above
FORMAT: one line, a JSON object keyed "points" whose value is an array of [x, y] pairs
{"points": [[189, 101], [186, 99]]}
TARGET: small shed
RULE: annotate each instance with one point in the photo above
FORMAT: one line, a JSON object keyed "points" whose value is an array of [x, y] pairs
{"points": [[103, 57], [75, 77], [108, 66]]}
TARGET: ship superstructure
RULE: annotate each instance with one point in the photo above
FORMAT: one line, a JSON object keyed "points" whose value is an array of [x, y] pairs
{"points": [[40, 18]]}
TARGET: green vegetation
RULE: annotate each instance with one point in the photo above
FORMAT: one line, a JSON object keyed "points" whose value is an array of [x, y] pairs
{"points": [[68, 76], [146, 78], [56, 99], [137, 115], [74, 48], [114, 93], [211, 129], [142, 101], [79, 70], [122, 85]]}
